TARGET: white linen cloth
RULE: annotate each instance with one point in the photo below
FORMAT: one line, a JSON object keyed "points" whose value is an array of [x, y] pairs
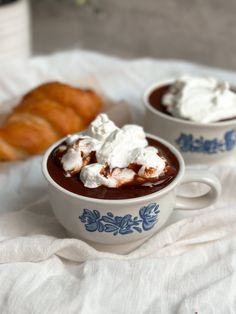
{"points": [[188, 267]]}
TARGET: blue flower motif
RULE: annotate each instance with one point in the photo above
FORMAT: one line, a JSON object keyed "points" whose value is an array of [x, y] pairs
{"points": [[187, 143], [126, 224], [230, 139], [120, 225], [91, 219], [149, 215]]}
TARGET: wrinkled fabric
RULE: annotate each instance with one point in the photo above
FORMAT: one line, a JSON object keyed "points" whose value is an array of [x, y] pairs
{"points": [[188, 267]]}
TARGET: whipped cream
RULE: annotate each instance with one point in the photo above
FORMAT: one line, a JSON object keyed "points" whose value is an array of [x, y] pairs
{"points": [[101, 127], [110, 156], [202, 100], [117, 149]]}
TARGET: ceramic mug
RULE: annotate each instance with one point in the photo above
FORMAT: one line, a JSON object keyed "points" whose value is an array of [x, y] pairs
{"points": [[198, 143], [120, 226]]}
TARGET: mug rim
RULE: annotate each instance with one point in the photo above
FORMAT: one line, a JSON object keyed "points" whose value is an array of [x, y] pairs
{"points": [[128, 201], [164, 82]]}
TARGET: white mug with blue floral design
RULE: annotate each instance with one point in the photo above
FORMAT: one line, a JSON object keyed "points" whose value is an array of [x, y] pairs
{"points": [[121, 225], [196, 115]]}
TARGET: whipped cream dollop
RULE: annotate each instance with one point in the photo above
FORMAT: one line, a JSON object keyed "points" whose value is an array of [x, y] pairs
{"points": [[101, 127], [202, 100], [110, 156], [117, 149]]}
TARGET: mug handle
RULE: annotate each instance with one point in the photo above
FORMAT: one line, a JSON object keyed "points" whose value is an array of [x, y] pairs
{"points": [[205, 200]]}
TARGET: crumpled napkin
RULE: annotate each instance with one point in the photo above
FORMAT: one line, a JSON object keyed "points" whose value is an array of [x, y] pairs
{"points": [[188, 267]]}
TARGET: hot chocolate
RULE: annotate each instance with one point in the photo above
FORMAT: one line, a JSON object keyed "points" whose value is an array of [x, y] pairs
{"points": [[156, 96], [111, 163], [200, 100]]}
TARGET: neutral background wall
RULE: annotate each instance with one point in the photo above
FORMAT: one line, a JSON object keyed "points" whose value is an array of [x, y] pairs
{"points": [[203, 31]]}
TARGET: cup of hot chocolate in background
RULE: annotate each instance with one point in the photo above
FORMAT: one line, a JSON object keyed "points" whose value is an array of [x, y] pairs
{"points": [[114, 219], [199, 143]]}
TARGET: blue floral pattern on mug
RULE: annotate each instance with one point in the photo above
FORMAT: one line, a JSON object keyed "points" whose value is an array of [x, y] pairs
{"points": [[148, 217], [187, 143]]}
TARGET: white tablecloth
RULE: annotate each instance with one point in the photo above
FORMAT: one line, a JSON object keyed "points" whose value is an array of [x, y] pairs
{"points": [[189, 267]]}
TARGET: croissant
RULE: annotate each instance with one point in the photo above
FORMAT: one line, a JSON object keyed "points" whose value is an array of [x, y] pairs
{"points": [[44, 115]]}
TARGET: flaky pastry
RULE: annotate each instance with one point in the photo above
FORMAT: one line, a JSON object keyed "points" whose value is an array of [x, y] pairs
{"points": [[44, 115]]}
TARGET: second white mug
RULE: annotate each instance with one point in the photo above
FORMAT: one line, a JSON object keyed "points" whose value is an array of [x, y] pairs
{"points": [[198, 143]]}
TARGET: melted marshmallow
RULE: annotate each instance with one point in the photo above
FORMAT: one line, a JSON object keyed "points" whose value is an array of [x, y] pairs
{"points": [[147, 158], [201, 100], [73, 160], [92, 177]]}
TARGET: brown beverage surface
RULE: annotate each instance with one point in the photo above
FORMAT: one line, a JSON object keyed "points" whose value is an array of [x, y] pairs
{"points": [[155, 99], [74, 185]]}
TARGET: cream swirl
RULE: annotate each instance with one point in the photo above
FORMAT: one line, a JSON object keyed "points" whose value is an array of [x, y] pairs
{"points": [[202, 100]]}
